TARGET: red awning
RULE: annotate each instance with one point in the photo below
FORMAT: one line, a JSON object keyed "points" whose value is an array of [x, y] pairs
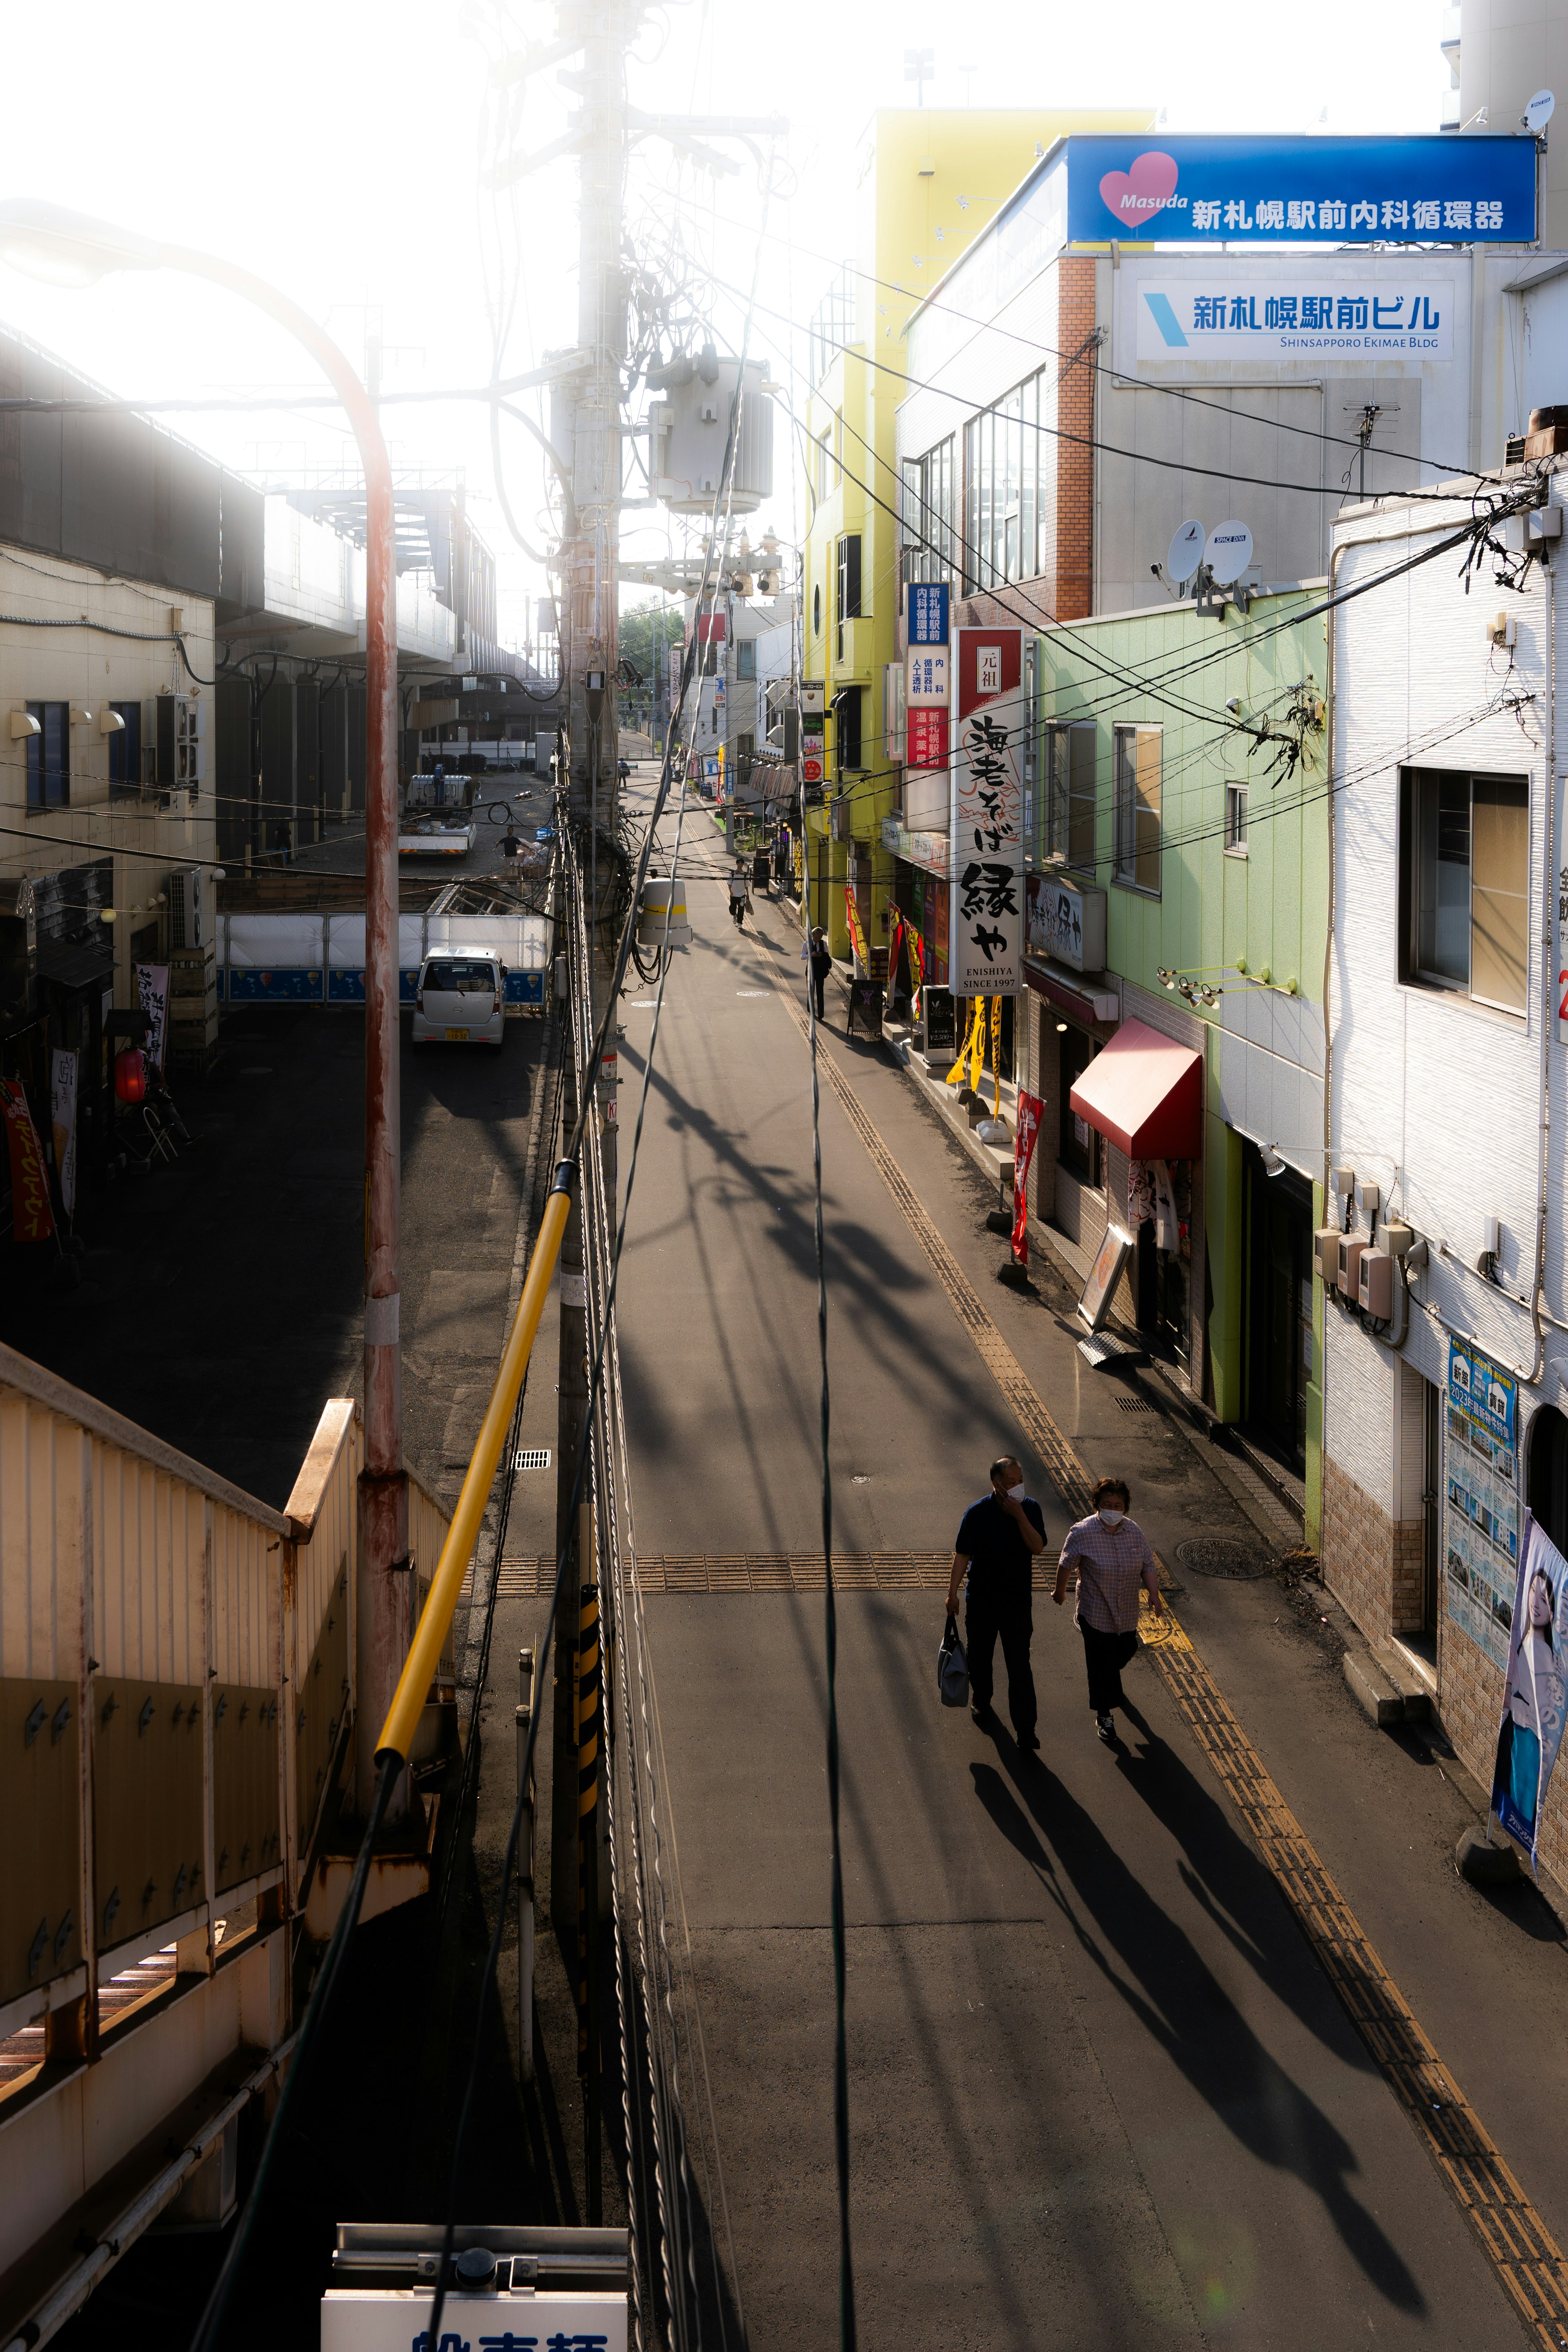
{"points": [[1146, 1093]]}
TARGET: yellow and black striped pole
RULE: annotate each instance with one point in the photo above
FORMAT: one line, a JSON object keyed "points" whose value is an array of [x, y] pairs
{"points": [[588, 1720]]}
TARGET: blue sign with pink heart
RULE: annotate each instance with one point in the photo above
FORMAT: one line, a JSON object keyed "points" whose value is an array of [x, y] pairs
{"points": [[1324, 192]]}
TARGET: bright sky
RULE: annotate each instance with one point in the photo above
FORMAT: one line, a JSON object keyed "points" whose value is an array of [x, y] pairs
{"points": [[335, 149]]}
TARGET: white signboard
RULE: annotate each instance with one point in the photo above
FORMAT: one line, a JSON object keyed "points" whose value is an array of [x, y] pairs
{"points": [[989, 720], [62, 1119], [152, 994], [1066, 924], [1334, 321], [925, 680], [390, 2319]]}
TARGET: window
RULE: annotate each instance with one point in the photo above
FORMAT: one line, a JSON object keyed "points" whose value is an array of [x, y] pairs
{"points": [[820, 473], [1077, 1144], [848, 583], [817, 610], [833, 321], [1464, 884], [745, 657], [1235, 820], [125, 750], [1136, 809], [48, 756], [1066, 817], [847, 716], [1007, 511], [929, 519], [838, 447]]}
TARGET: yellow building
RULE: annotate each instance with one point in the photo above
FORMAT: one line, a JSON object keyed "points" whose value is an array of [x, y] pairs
{"points": [[927, 183]]}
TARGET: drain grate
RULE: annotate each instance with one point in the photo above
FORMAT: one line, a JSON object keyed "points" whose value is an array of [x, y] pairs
{"points": [[1135, 1404], [1230, 1556], [535, 1457]]}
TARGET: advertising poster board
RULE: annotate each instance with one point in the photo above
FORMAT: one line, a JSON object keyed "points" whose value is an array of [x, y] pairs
{"points": [[1535, 1694], [1480, 1499], [1104, 1274]]}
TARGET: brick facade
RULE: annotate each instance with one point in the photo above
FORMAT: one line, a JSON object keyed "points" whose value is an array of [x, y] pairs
{"points": [[1360, 1542]]}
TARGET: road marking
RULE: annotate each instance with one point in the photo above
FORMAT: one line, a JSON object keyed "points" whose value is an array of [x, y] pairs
{"points": [[1520, 2248], [756, 991], [769, 1572]]}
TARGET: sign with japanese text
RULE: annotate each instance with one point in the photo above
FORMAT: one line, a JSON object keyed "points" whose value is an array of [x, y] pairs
{"points": [[1307, 191], [1480, 1499], [1535, 1695], [925, 739], [1344, 319], [153, 996], [31, 1218], [369, 2319], [985, 931], [926, 608], [1066, 923], [926, 678], [63, 1064]]}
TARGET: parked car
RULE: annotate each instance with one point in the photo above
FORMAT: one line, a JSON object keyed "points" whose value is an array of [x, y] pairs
{"points": [[458, 999]]}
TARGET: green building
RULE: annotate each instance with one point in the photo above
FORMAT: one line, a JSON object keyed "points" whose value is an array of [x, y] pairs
{"points": [[1178, 909]]}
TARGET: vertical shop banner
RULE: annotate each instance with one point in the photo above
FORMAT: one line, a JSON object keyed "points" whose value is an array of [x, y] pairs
{"points": [[916, 946], [152, 995], [856, 936], [925, 739], [32, 1219], [1480, 1500], [985, 943], [62, 1119], [1027, 1129], [1536, 1697]]}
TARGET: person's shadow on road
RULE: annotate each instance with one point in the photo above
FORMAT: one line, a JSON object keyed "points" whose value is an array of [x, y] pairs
{"points": [[1157, 1970]]}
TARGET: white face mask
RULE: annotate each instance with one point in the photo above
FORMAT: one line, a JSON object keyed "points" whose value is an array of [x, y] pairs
{"points": [[1015, 1494], [1109, 1518]]}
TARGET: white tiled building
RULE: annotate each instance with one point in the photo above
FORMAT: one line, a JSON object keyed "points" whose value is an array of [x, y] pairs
{"points": [[1447, 1055]]}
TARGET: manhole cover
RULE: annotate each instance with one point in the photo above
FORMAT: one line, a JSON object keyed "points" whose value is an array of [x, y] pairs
{"points": [[1237, 1556]]}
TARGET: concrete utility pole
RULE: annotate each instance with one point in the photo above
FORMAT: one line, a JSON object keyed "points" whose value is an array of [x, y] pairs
{"points": [[589, 556]]}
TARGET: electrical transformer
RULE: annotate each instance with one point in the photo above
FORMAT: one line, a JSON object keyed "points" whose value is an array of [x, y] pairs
{"points": [[691, 430]]}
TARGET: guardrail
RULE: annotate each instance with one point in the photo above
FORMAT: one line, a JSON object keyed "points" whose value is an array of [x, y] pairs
{"points": [[177, 1696]]}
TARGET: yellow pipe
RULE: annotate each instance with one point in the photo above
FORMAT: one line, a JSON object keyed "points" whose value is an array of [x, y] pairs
{"points": [[430, 1633]]}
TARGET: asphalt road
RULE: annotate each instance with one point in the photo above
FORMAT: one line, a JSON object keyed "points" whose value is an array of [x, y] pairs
{"points": [[1100, 2089]]}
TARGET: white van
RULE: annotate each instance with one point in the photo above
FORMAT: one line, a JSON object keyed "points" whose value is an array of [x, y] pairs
{"points": [[460, 998]]}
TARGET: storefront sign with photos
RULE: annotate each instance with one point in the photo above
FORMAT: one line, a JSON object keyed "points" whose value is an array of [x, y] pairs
{"points": [[986, 925], [1480, 1499]]}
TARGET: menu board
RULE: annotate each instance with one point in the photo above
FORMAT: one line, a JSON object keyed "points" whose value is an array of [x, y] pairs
{"points": [[1480, 1499]]}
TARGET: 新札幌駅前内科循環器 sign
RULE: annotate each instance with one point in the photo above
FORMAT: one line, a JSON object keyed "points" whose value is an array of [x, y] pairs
{"points": [[1328, 192]]}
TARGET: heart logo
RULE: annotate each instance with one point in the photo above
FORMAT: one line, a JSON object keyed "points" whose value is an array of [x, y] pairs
{"points": [[1133, 195]]}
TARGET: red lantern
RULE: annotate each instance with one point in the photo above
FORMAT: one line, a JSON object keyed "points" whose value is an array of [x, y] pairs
{"points": [[131, 1075]]}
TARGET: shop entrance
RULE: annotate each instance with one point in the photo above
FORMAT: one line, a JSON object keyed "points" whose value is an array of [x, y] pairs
{"points": [[1278, 1308]]}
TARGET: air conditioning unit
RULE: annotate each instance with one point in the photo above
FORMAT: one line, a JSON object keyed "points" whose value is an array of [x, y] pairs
{"points": [[190, 916], [178, 739]]}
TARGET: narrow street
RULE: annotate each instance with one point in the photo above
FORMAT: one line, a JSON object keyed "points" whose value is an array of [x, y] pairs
{"points": [[1100, 2090]]}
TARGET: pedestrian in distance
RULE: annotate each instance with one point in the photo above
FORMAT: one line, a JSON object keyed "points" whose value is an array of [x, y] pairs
{"points": [[1113, 1560], [740, 892], [510, 844], [821, 965], [993, 1560]]}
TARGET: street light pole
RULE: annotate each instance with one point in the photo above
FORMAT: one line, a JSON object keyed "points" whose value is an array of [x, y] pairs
{"points": [[68, 248]]}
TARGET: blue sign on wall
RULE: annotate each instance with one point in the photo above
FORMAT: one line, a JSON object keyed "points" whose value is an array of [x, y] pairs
{"points": [[1439, 191], [927, 608]]}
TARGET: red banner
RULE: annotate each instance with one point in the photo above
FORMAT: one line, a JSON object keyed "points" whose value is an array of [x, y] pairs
{"points": [[31, 1218], [1023, 1138], [925, 740]]}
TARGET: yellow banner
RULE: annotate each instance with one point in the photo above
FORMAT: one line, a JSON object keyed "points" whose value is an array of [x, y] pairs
{"points": [[856, 936], [972, 1049]]}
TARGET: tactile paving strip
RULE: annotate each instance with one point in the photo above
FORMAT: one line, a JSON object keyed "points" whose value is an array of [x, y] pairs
{"points": [[1527, 2259]]}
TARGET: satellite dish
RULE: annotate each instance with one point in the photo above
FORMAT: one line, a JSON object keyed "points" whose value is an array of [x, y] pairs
{"points": [[1228, 552], [1537, 114], [1186, 551]]}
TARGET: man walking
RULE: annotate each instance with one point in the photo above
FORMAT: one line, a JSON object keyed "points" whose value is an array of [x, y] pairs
{"points": [[995, 1550], [740, 892], [1113, 1560], [821, 965]]}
